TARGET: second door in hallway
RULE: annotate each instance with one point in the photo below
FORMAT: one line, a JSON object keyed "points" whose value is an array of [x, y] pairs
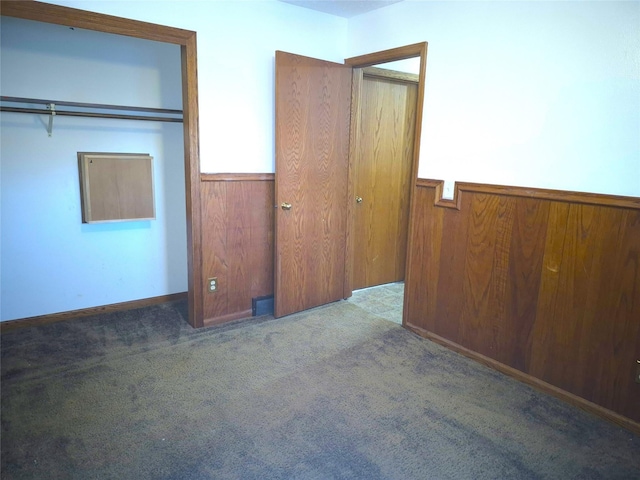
{"points": [[383, 167]]}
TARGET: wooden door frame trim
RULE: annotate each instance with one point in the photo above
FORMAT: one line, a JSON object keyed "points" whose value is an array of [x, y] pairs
{"points": [[393, 75], [71, 17], [358, 63]]}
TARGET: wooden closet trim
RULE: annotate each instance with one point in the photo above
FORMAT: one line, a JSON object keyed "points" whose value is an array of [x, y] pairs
{"points": [[71, 17], [238, 177]]}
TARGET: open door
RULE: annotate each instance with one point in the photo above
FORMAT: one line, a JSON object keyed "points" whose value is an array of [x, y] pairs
{"points": [[313, 105]]}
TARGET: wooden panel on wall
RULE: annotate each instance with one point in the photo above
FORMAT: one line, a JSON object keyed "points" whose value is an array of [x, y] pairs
{"points": [[116, 187], [237, 243], [544, 283]]}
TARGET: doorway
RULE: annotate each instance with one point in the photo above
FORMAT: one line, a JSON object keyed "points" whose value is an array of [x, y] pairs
{"points": [[400, 66], [307, 91]]}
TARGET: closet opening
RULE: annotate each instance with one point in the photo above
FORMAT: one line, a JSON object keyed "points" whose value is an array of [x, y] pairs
{"points": [[186, 42]]}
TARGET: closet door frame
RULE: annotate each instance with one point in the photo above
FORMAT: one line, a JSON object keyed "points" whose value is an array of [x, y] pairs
{"points": [[71, 17]]}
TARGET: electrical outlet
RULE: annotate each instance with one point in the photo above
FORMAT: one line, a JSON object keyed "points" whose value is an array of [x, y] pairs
{"points": [[212, 284]]}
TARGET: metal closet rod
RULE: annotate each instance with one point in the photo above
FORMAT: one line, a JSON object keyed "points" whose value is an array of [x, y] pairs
{"points": [[53, 111]]}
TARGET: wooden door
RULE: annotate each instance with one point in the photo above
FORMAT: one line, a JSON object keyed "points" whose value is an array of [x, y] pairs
{"points": [[313, 103], [383, 169]]}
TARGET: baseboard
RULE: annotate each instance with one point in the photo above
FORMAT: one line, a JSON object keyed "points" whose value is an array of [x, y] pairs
{"points": [[541, 385], [208, 322], [115, 307]]}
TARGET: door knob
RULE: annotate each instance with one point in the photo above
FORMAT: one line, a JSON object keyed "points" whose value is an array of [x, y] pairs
{"points": [[358, 199], [286, 206]]}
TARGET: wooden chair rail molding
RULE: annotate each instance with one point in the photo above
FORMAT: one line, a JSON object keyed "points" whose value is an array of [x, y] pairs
{"points": [[237, 177], [526, 192]]}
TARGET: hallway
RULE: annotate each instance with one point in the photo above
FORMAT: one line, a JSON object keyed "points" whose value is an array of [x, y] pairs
{"points": [[382, 300]]}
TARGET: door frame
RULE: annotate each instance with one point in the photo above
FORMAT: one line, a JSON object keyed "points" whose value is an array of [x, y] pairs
{"points": [[416, 50], [71, 17]]}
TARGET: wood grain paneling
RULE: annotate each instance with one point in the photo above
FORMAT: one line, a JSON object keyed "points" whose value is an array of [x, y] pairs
{"points": [[383, 168], [237, 243], [313, 105], [116, 187], [543, 283]]}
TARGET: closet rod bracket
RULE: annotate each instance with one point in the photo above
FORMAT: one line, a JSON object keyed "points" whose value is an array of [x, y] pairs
{"points": [[52, 109]]}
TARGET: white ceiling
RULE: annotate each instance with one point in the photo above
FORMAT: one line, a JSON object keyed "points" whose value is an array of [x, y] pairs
{"points": [[342, 8]]}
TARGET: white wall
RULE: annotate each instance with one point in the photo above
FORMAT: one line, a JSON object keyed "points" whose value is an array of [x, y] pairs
{"points": [[542, 94], [49, 261], [539, 94], [237, 41]]}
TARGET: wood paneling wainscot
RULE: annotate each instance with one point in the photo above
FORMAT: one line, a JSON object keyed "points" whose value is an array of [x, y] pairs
{"points": [[543, 285], [237, 242]]}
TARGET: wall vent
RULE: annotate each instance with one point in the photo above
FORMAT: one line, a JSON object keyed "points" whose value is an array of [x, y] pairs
{"points": [[262, 305]]}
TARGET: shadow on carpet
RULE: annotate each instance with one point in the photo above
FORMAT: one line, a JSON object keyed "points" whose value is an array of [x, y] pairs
{"points": [[334, 392]]}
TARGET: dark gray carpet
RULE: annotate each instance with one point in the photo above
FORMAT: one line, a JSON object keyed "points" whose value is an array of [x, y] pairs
{"points": [[336, 392]]}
